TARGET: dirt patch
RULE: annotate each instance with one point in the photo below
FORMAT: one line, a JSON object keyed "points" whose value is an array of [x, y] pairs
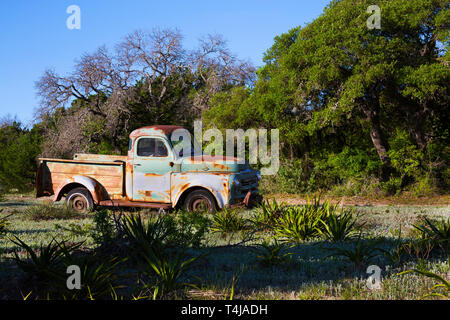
{"points": [[403, 200]]}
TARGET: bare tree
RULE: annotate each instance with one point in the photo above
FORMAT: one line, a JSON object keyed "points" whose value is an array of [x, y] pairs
{"points": [[105, 82]]}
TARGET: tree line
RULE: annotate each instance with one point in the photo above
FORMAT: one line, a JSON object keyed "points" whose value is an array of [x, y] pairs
{"points": [[359, 110]]}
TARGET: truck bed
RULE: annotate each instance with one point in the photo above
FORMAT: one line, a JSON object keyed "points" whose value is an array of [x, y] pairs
{"points": [[109, 171]]}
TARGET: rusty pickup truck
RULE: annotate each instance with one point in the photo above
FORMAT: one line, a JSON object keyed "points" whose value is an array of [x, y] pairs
{"points": [[152, 175]]}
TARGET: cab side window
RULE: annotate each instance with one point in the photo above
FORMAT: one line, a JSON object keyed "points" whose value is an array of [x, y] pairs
{"points": [[151, 147]]}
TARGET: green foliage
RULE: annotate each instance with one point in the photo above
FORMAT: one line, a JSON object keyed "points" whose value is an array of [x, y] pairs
{"points": [[3, 224], [191, 228], [360, 253], [434, 290], [98, 278], [437, 232], [340, 225], [50, 211], [20, 147], [104, 229], [271, 254], [167, 273], [349, 102], [267, 214], [46, 265], [301, 223], [227, 221], [150, 236]]}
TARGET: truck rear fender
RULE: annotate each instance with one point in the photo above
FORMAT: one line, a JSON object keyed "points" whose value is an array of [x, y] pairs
{"points": [[97, 191]]}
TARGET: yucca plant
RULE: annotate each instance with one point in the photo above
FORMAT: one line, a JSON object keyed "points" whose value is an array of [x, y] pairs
{"points": [[275, 253], [227, 221], [338, 226], [360, 253], [267, 213], [98, 279], [297, 224], [443, 284], [397, 252], [166, 271], [47, 263], [438, 232], [4, 224], [147, 236]]}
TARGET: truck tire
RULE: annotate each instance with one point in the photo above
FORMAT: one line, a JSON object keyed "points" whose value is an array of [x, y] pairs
{"points": [[200, 200], [80, 200]]}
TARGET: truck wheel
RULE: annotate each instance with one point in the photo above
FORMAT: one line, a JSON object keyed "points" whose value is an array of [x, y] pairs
{"points": [[80, 200], [200, 200]]}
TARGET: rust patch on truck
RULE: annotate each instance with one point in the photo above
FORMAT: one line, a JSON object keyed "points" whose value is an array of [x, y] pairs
{"points": [[152, 175]]}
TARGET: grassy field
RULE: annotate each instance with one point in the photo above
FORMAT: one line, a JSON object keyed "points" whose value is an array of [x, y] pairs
{"points": [[232, 266]]}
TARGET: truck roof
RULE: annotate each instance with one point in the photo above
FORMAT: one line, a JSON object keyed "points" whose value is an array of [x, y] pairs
{"points": [[157, 130]]}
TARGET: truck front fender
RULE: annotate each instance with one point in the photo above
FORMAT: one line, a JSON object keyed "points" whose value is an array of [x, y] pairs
{"points": [[97, 191], [216, 183]]}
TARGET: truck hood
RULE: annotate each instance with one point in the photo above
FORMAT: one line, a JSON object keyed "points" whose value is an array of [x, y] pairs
{"points": [[213, 164]]}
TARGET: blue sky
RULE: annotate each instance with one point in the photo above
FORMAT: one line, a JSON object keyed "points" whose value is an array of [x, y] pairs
{"points": [[34, 35]]}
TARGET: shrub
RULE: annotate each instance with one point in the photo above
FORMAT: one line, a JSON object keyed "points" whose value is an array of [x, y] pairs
{"points": [[104, 229], [147, 236], [191, 229]]}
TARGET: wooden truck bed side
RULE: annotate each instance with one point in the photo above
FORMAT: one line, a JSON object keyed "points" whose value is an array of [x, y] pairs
{"points": [[53, 173]]}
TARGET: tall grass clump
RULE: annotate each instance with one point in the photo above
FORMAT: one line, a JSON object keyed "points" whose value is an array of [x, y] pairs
{"points": [[50, 211]]}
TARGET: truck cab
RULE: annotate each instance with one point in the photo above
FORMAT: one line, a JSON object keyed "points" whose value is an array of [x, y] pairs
{"points": [[154, 174]]}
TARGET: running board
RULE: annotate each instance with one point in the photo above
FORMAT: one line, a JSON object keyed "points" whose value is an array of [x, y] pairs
{"points": [[126, 203]]}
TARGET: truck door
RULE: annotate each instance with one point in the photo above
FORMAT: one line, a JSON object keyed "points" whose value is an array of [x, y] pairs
{"points": [[152, 170]]}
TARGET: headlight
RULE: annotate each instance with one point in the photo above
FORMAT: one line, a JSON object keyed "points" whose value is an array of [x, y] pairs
{"points": [[258, 175]]}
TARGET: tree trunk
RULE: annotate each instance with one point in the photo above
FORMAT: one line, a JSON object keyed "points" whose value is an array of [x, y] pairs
{"points": [[378, 141]]}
